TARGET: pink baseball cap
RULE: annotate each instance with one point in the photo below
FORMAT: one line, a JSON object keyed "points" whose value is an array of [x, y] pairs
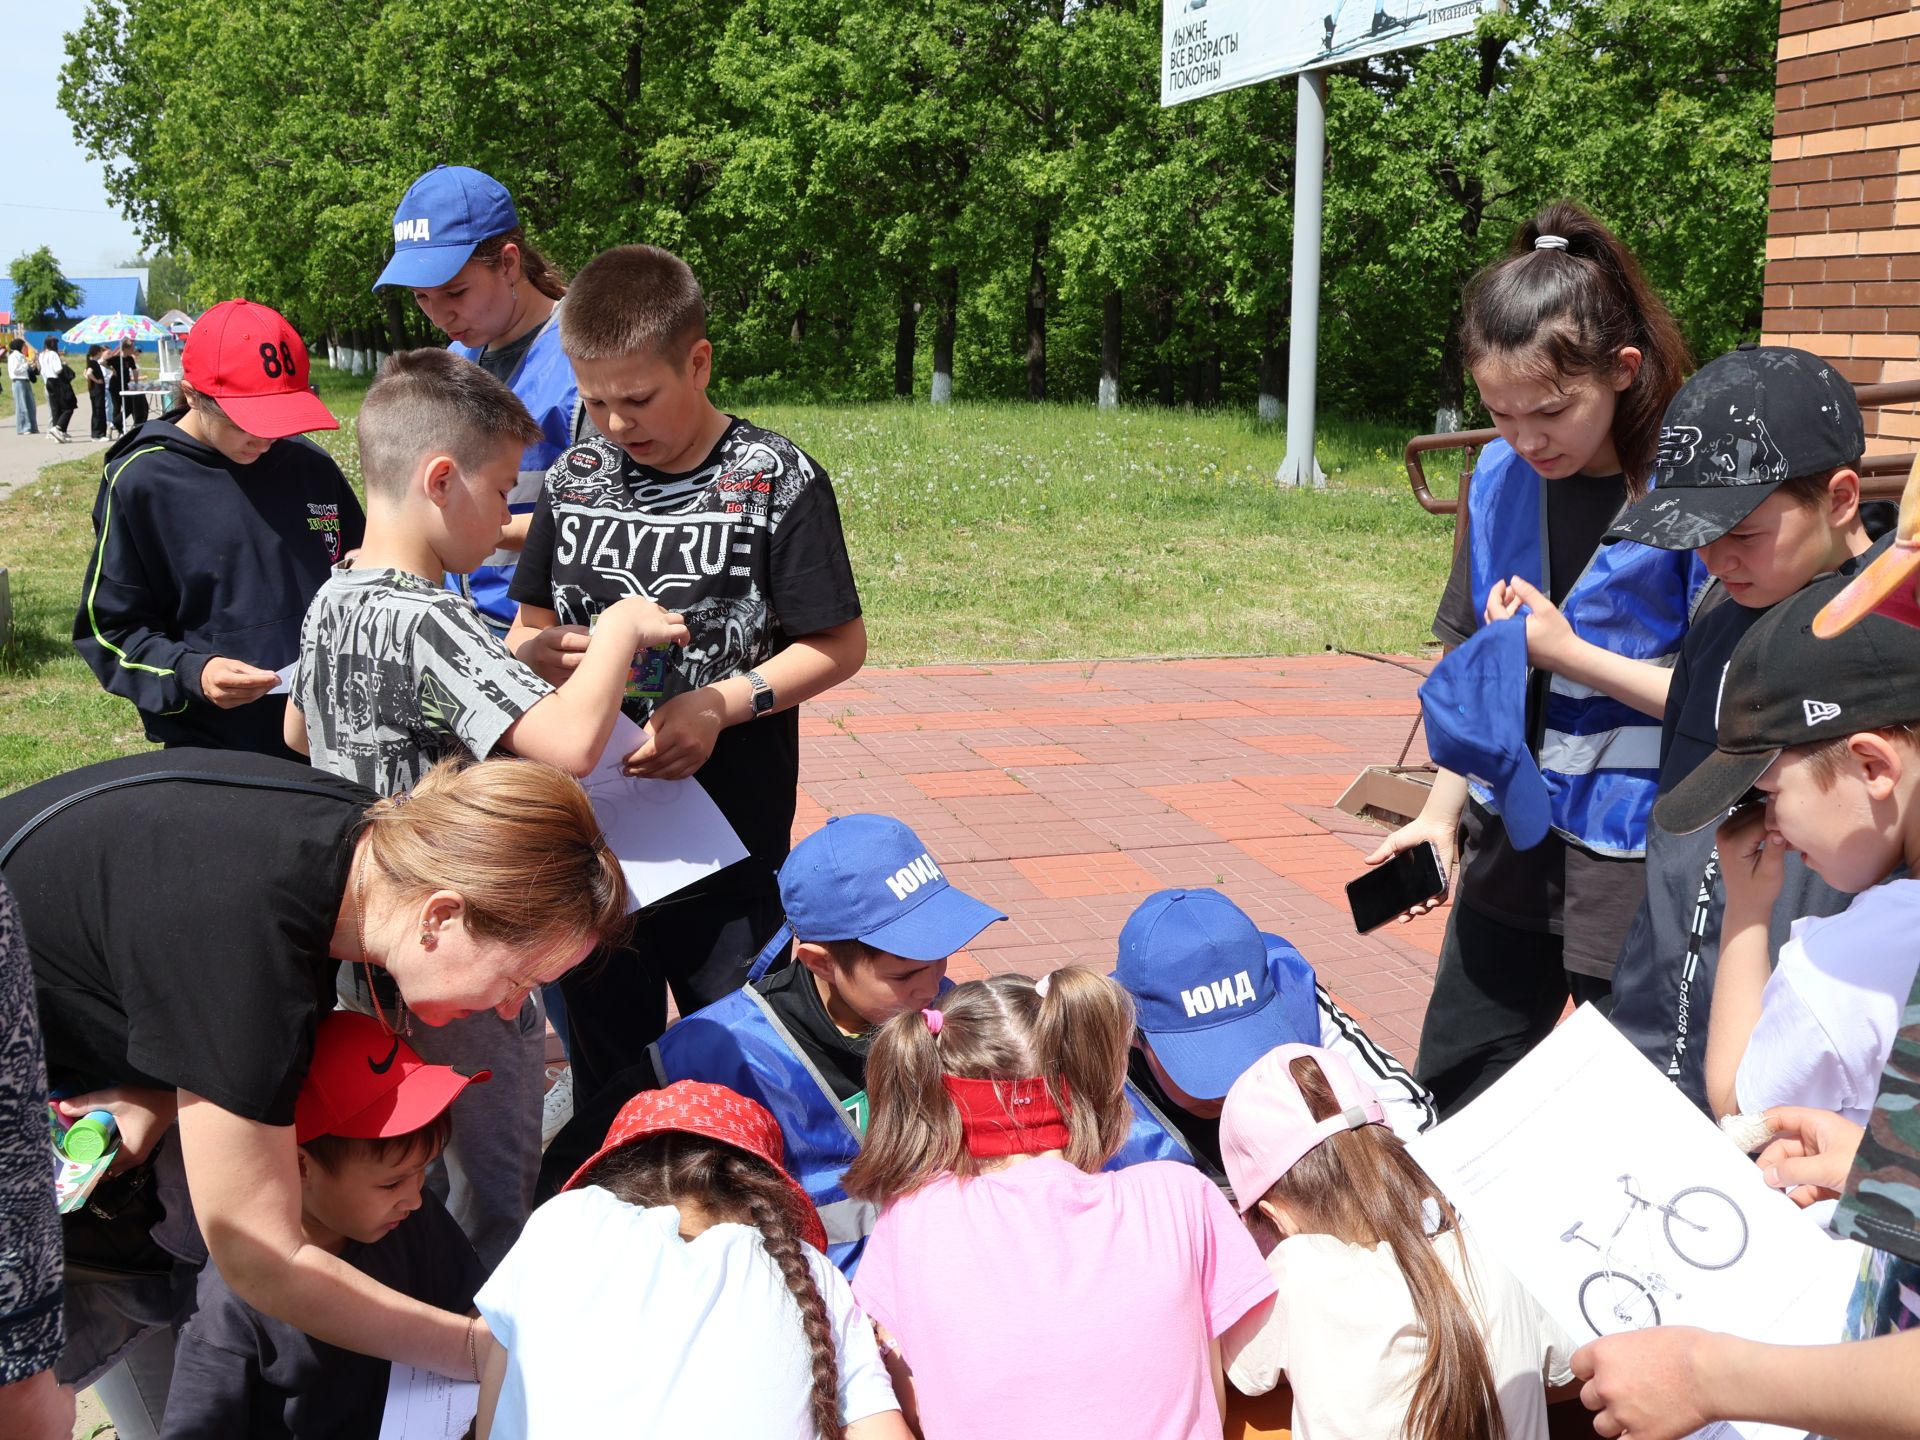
{"points": [[1265, 1126]]}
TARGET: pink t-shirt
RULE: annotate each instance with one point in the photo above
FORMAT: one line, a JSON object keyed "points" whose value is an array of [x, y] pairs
{"points": [[1040, 1300]]}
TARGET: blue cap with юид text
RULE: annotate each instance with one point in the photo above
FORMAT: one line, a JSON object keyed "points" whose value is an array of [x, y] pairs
{"points": [[1196, 966], [442, 217], [869, 878]]}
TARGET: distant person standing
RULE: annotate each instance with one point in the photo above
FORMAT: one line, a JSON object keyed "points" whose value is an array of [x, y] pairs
{"points": [[126, 411], [58, 375], [459, 247], [214, 528], [26, 417], [97, 392]]}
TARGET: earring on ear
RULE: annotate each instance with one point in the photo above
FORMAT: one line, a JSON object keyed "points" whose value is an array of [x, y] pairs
{"points": [[426, 936]]}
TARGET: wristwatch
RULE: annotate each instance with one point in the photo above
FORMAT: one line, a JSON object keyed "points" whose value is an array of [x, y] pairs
{"points": [[763, 700]]}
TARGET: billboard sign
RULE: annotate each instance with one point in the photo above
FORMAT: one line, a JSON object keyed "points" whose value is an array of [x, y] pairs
{"points": [[1207, 46]]}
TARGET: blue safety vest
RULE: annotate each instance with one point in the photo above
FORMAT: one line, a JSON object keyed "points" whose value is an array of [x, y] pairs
{"points": [[1600, 758], [545, 384], [739, 1042]]}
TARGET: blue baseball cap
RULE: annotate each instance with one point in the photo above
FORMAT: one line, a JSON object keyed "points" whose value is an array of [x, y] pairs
{"points": [[1196, 966], [1475, 703], [868, 878], [443, 215]]}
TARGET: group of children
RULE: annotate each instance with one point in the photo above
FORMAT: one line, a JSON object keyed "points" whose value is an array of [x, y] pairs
{"points": [[1074, 1205]]}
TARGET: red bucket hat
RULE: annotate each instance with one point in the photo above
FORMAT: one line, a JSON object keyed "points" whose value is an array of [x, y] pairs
{"points": [[693, 1107]]}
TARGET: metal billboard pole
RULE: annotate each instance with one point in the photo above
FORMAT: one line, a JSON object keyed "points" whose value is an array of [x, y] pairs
{"points": [[1299, 467]]}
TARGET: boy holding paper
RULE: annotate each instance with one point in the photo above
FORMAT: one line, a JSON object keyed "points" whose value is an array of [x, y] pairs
{"points": [[396, 672], [370, 1118], [737, 528]]}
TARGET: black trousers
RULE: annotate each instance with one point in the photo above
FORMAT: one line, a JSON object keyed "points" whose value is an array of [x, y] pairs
{"points": [[700, 946], [1498, 992], [97, 399]]}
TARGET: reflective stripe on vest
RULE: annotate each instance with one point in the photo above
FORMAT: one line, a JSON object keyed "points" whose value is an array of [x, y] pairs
{"points": [[1600, 758]]}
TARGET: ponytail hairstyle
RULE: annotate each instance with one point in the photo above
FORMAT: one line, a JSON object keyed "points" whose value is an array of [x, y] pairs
{"points": [[541, 273], [1362, 1187], [1074, 1036], [515, 839], [728, 1185], [1561, 313]]}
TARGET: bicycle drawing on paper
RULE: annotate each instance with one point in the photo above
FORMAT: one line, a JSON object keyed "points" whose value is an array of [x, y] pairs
{"points": [[1700, 1225]]}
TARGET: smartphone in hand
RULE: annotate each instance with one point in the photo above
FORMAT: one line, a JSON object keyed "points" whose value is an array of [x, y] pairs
{"points": [[1395, 886]]}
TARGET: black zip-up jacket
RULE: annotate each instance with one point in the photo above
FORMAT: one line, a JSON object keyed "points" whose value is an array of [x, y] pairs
{"points": [[195, 557]]}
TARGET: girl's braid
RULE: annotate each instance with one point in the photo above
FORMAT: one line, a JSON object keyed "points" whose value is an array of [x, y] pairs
{"points": [[772, 1209]]}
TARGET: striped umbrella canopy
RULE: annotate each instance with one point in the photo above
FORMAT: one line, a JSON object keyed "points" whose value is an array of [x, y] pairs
{"points": [[108, 329]]}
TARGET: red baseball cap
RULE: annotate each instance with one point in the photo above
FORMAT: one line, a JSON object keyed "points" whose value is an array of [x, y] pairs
{"points": [[365, 1084], [694, 1107], [250, 360]]}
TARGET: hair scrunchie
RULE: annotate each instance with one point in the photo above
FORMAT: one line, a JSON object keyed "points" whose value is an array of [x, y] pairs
{"points": [[934, 1020]]}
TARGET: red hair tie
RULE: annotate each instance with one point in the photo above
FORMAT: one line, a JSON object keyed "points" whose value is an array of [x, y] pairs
{"points": [[1009, 1117]]}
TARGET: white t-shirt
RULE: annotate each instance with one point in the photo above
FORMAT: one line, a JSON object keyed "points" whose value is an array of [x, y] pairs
{"points": [[1343, 1330], [1830, 1012], [615, 1325]]}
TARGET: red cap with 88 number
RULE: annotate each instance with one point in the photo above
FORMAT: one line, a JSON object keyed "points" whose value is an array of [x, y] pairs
{"points": [[251, 362]]}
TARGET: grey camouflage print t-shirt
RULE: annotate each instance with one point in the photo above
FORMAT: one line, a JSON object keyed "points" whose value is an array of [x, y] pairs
{"points": [[396, 673]]}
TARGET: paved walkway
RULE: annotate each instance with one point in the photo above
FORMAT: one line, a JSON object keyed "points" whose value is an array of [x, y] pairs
{"points": [[21, 456], [1064, 793]]}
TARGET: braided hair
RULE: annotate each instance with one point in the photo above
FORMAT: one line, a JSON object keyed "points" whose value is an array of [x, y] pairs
{"points": [[729, 1185]]}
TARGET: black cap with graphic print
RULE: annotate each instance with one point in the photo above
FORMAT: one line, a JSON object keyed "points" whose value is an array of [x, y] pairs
{"points": [[1783, 687], [1740, 428]]}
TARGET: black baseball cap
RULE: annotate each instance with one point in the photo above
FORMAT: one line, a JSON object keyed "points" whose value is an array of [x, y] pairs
{"points": [[1741, 427], [1785, 687]]}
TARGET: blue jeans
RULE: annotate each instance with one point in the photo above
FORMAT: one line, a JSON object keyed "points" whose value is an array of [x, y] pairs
{"points": [[26, 420]]}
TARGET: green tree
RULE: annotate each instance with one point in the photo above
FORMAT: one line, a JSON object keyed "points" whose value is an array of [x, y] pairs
{"points": [[39, 289], [169, 282]]}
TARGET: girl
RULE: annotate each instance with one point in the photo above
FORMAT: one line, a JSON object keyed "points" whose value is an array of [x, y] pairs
{"points": [[58, 376], [460, 249], [96, 392], [185, 916], [1029, 1292], [26, 418], [1576, 360], [678, 1283], [1390, 1322]]}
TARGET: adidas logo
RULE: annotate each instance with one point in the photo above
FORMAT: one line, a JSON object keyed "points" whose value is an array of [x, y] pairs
{"points": [[1818, 712]]}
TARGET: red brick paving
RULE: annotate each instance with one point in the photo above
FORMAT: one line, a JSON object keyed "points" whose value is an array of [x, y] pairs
{"points": [[1065, 793]]}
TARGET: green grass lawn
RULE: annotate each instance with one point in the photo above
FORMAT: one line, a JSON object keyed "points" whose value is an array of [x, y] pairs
{"points": [[979, 532]]}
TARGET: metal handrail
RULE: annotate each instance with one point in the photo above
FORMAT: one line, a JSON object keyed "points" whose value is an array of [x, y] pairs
{"points": [[1881, 476]]}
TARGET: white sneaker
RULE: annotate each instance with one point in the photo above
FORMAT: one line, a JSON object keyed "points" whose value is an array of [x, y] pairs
{"points": [[557, 1109]]}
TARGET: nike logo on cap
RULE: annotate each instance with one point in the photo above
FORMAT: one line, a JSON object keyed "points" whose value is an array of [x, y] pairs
{"points": [[380, 1067]]}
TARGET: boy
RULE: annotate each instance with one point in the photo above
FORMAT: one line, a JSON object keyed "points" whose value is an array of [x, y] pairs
{"points": [[370, 1118], [214, 527], [1756, 473], [397, 672], [874, 921], [1826, 732], [1212, 995], [736, 528]]}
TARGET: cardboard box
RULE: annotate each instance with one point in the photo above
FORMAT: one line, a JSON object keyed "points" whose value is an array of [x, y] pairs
{"points": [[1388, 795]]}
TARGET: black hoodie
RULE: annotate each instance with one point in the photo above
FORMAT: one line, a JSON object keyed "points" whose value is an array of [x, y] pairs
{"points": [[195, 557]]}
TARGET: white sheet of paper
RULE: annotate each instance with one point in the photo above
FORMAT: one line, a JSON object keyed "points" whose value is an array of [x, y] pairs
{"points": [[285, 672], [1543, 1166], [666, 833], [424, 1406]]}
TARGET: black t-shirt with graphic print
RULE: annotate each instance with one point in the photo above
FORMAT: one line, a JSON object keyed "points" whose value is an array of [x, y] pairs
{"points": [[747, 546]]}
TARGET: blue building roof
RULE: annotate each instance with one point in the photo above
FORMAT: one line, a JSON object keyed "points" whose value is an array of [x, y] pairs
{"points": [[98, 296]]}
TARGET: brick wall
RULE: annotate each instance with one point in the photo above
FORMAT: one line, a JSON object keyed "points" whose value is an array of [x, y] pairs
{"points": [[1843, 236]]}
